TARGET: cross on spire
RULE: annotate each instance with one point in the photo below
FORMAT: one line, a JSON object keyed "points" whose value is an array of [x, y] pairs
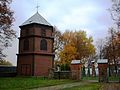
{"points": [[37, 7]]}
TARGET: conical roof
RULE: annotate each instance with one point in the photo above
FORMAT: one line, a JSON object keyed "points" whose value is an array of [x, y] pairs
{"points": [[36, 18]]}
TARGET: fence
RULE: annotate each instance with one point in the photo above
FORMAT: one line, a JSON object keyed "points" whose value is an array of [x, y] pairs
{"points": [[62, 74], [8, 71]]}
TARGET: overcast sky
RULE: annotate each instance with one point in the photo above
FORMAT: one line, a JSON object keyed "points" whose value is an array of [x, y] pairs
{"points": [[89, 15]]}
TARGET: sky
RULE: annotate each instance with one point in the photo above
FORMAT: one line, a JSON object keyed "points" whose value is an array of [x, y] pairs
{"points": [[89, 15]]}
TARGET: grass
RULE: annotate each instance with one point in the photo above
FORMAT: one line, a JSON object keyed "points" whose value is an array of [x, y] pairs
{"points": [[113, 78], [90, 78], [23, 83], [90, 86]]}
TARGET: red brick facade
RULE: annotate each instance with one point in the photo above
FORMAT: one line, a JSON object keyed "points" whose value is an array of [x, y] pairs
{"points": [[34, 61], [102, 68], [76, 70]]}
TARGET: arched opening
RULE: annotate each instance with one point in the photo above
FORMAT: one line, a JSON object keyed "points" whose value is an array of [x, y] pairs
{"points": [[43, 44]]}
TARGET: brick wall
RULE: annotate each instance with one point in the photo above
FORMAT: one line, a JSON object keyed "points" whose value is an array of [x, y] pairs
{"points": [[35, 61], [24, 66], [42, 65], [76, 71], [102, 68]]}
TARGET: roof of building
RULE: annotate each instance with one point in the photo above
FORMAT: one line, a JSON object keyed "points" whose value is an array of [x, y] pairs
{"points": [[102, 61], [75, 62], [92, 61], [36, 18]]}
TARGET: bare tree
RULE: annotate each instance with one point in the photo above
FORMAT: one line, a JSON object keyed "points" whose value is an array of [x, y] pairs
{"points": [[110, 50], [112, 46], [100, 43], [115, 12], [6, 20], [58, 44]]}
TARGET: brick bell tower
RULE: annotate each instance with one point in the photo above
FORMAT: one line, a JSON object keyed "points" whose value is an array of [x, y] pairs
{"points": [[35, 57]]}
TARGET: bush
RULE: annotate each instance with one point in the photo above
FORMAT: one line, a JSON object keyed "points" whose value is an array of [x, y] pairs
{"points": [[65, 67]]}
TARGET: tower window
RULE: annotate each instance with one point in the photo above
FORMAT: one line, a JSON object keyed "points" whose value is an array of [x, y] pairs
{"points": [[43, 44], [43, 32], [26, 45]]}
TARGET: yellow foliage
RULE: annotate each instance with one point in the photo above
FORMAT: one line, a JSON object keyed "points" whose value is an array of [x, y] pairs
{"points": [[67, 54], [76, 46]]}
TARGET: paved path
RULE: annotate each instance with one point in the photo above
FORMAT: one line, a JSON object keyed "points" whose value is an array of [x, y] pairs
{"points": [[58, 87]]}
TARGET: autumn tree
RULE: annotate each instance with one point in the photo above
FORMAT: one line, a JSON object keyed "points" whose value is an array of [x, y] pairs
{"points": [[115, 13], [118, 44], [67, 54], [76, 46], [6, 20], [84, 45]]}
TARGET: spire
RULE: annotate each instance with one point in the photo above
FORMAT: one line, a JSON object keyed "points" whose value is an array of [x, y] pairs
{"points": [[37, 19]]}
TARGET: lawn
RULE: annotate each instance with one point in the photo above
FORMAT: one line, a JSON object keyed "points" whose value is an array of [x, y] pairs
{"points": [[23, 83], [89, 86], [18, 83], [90, 78], [112, 78]]}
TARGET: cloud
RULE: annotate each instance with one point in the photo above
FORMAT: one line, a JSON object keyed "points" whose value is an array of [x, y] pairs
{"points": [[85, 17]]}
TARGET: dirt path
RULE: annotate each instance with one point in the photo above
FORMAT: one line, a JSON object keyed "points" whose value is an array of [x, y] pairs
{"points": [[59, 87], [105, 86], [111, 86]]}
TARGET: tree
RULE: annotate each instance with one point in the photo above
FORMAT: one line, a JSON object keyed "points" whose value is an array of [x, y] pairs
{"points": [[115, 12], [84, 45], [114, 49], [6, 20], [111, 48], [58, 44], [67, 54], [5, 62], [100, 45], [76, 46]]}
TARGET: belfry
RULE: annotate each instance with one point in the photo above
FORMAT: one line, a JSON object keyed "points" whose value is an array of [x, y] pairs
{"points": [[35, 56]]}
